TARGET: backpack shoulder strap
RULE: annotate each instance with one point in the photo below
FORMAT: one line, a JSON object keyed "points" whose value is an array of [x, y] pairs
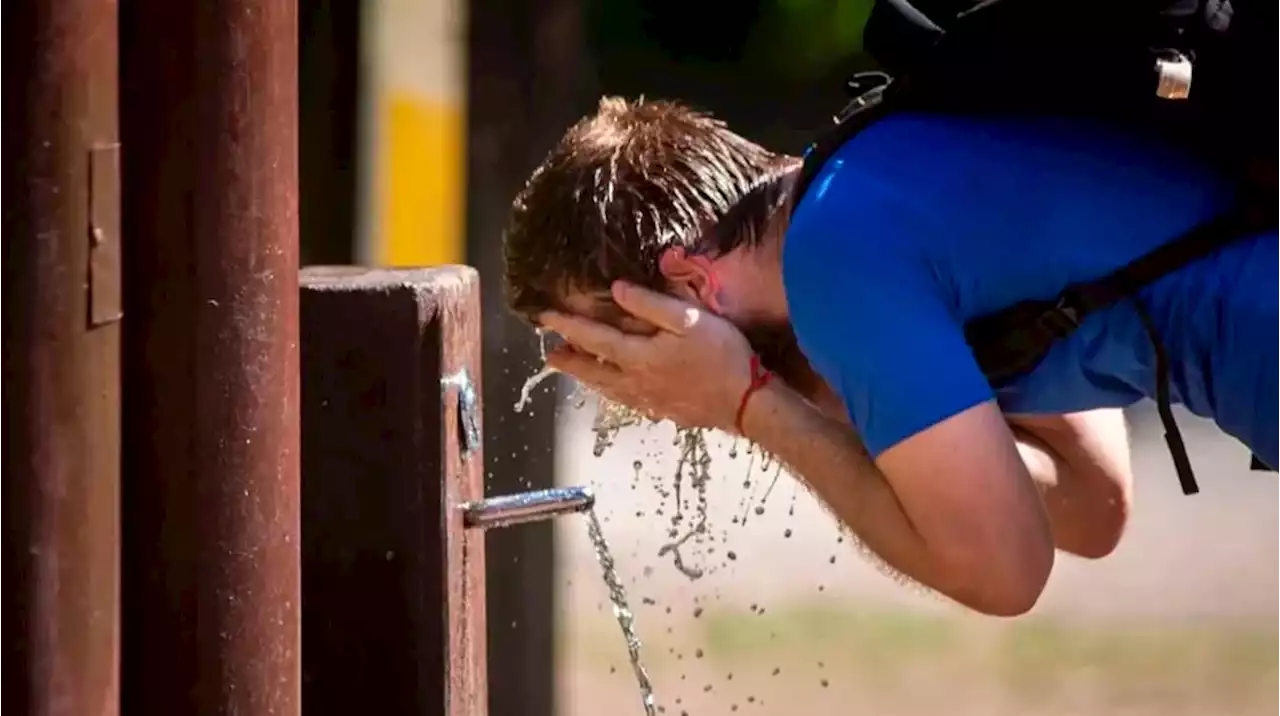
{"points": [[1012, 342], [873, 95]]}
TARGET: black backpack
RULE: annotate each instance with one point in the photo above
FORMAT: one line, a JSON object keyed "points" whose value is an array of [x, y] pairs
{"points": [[1200, 73]]}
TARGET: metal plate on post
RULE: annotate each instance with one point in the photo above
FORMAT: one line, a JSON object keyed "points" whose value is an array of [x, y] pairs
{"points": [[105, 302], [392, 579], [468, 410]]}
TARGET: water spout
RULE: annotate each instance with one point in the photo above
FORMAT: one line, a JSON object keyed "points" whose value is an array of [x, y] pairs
{"points": [[521, 507]]}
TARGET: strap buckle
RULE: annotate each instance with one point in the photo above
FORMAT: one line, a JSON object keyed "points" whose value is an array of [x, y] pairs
{"points": [[1061, 319], [1012, 342]]}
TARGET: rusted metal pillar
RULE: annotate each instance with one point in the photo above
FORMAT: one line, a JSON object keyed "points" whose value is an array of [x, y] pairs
{"points": [[211, 567], [392, 581], [61, 359]]}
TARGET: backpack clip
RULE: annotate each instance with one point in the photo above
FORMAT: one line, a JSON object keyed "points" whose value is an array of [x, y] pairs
{"points": [[1060, 320], [1012, 342], [865, 89], [1173, 73]]}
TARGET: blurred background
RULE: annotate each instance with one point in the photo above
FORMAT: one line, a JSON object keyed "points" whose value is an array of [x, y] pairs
{"points": [[420, 119]]}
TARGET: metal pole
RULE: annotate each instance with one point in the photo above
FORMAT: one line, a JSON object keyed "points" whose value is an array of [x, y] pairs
{"points": [[61, 359], [213, 587], [246, 423]]}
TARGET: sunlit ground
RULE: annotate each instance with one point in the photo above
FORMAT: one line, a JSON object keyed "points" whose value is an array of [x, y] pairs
{"points": [[839, 657], [1181, 620]]}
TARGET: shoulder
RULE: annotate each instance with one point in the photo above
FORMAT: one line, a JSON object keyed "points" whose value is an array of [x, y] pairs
{"points": [[865, 208], [896, 180]]}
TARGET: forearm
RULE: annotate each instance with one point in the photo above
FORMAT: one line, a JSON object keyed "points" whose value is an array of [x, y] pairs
{"points": [[1071, 515], [1083, 476], [1087, 502], [831, 460]]}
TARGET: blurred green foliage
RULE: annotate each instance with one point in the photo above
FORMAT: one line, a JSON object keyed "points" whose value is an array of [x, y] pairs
{"points": [[805, 39], [787, 39]]}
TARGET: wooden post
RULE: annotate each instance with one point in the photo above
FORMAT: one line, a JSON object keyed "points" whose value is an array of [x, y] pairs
{"points": [[393, 583]]}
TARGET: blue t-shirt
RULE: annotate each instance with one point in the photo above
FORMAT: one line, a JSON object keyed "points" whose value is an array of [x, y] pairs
{"points": [[921, 223]]}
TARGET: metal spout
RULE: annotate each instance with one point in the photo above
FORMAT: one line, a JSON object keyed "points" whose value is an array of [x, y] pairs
{"points": [[523, 507]]}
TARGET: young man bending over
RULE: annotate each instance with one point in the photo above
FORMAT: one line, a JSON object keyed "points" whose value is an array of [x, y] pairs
{"points": [[663, 248]]}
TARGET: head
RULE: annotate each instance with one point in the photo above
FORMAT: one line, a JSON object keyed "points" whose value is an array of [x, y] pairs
{"points": [[660, 195]]}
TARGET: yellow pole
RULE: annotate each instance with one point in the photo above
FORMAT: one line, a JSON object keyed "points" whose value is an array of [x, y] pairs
{"points": [[418, 122]]}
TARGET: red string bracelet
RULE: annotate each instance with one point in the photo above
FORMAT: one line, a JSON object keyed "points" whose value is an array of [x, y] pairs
{"points": [[760, 377]]}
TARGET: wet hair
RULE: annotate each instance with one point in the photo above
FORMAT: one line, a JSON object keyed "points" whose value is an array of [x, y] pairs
{"points": [[625, 184], [751, 219]]}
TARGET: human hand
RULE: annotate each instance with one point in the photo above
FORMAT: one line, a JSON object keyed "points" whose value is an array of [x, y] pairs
{"points": [[694, 370]]}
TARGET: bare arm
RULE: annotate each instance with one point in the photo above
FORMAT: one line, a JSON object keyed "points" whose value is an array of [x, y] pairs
{"points": [[1080, 461], [989, 549]]}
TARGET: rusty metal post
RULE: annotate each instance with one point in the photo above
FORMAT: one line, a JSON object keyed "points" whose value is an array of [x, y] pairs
{"points": [[211, 566], [392, 581], [61, 359]]}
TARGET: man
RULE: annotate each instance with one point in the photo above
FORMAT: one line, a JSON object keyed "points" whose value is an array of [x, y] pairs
{"points": [[663, 248]]}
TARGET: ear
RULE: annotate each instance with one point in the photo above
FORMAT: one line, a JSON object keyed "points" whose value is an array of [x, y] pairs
{"points": [[691, 278]]}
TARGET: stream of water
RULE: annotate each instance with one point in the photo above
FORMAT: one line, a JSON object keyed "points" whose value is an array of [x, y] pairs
{"points": [[621, 610]]}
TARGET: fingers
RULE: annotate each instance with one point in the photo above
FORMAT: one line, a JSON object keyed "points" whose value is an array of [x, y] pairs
{"points": [[586, 368], [591, 336], [668, 313]]}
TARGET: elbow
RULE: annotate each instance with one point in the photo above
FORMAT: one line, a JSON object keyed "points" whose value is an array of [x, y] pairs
{"points": [[1098, 530], [1009, 602], [1096, 545], [1112, 518], [1008, 596], [1008, 583]]}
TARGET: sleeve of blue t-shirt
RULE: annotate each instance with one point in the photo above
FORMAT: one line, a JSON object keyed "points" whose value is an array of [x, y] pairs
{"points": [[873, 321]]}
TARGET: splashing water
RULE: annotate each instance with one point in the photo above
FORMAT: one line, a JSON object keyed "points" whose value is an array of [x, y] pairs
{"points": [[526, 391], [544, 372], [695, 463], [694, 466], [694, 470], [610, 419], [621, 610]]}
